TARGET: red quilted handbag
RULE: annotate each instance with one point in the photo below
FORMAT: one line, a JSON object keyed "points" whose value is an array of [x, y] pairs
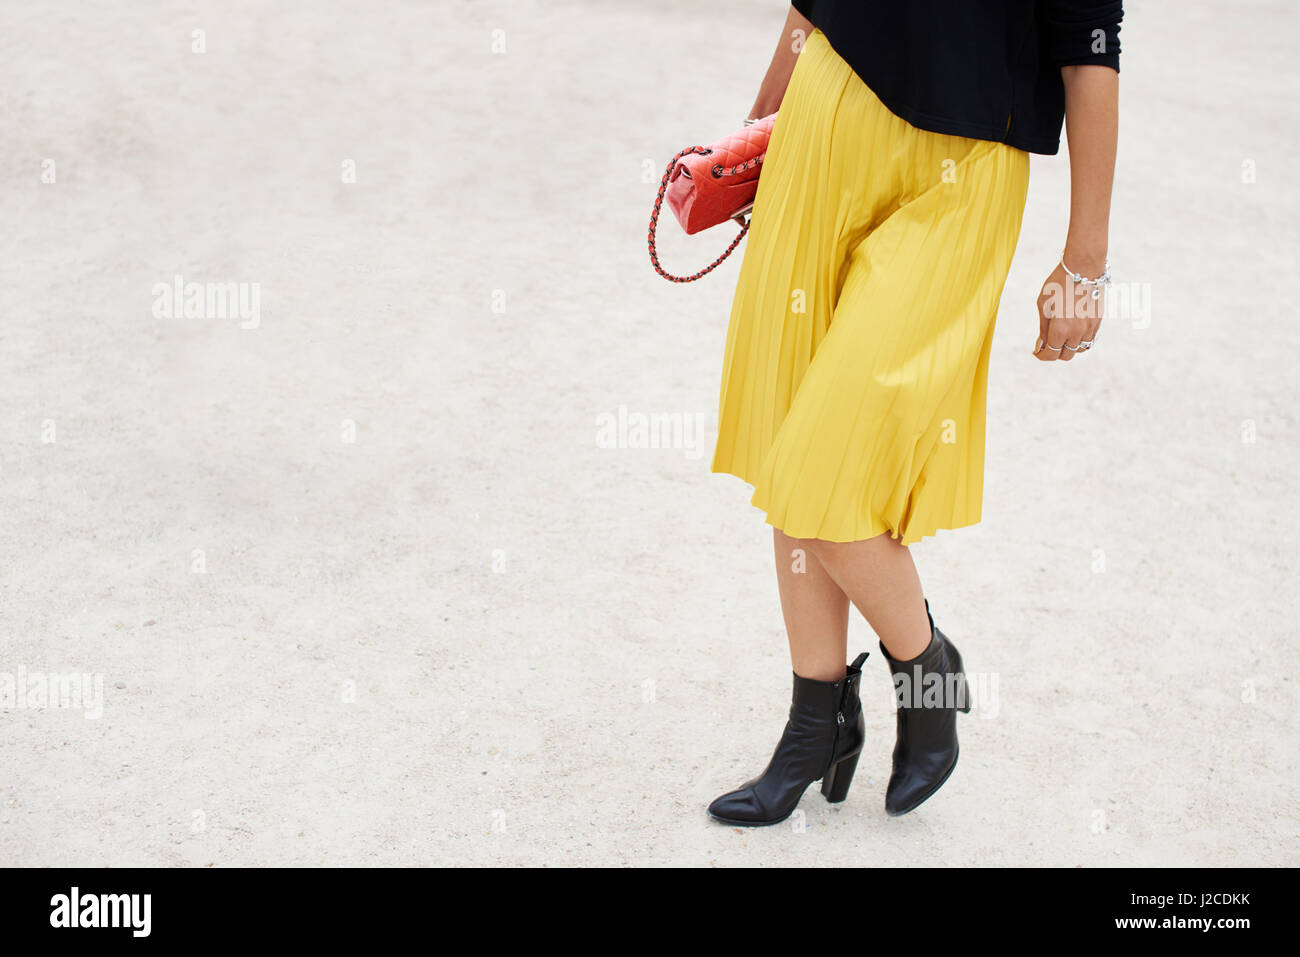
{"points": [[706, 186]]}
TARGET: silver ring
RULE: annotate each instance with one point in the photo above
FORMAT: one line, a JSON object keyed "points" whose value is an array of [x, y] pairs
{"points": [[1051, 348]]}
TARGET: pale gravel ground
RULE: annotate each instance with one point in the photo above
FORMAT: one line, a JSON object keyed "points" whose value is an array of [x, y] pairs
{"points": [[1133, 576]]}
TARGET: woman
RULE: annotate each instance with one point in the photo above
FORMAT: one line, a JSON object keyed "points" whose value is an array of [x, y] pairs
{"points": [[853, 385]]}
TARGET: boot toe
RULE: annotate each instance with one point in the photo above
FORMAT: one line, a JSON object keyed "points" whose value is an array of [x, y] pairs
{"points": [[902, 797], [909, 790], [738, 807]]}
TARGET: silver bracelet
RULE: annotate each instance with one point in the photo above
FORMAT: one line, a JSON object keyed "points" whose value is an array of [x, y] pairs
{"points": [[750, 121], [1098, 284]]}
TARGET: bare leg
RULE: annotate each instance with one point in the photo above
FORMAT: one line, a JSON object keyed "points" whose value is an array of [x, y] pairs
{"points": [[880, 578], [816, 610]]}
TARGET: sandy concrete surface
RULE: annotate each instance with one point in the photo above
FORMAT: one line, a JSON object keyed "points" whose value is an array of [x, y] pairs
{"points": [[375, 572]]}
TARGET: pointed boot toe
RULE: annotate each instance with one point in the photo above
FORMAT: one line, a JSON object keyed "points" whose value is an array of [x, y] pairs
{"points": [[910, 788], [741, 807]]}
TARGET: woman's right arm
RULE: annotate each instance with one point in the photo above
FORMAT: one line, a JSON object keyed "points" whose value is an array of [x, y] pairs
{"points": [[770, 94]]}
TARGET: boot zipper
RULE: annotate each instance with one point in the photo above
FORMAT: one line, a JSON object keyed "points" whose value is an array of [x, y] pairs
{"points": [[835, 741]]}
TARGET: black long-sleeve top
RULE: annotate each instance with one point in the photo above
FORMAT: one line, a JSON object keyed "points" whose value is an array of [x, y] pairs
{"points": [[988, 69]]}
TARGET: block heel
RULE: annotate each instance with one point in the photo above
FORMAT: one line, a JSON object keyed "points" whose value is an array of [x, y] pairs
{"points": [[835, 785]]}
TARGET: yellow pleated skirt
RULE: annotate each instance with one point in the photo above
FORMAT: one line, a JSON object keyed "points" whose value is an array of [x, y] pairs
{"points": [[856, 366]]}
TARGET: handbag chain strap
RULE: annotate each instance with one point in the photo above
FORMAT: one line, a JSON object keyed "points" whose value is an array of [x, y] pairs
{"points": [[742, 167], [654, 215]]}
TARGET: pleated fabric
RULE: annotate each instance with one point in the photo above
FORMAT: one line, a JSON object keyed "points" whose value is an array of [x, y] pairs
{"points": [[856, 366]]}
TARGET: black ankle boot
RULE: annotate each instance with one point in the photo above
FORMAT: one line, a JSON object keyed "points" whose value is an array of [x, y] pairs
{"points": [[822, 739], [928, 698]]}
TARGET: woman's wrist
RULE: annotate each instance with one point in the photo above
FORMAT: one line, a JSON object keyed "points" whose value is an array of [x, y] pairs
{"points": [[1086, 257], [772, 91]]}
